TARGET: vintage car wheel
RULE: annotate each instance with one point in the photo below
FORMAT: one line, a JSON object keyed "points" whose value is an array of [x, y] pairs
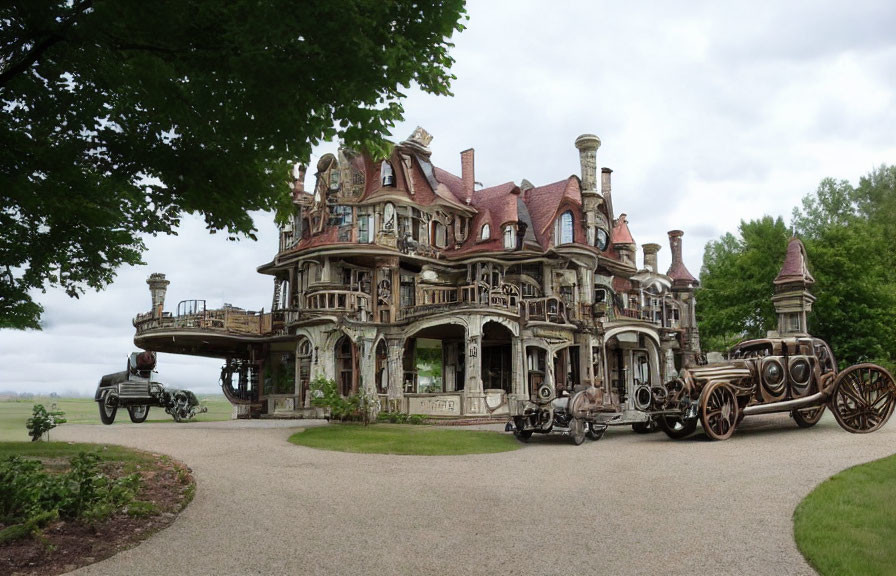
{"points": [[863, 398], [676, 427], [138, 414], [719, 411], [577, 431], [645, 427], [107, 412], [524, 435], [596, 431], [808, 417]]}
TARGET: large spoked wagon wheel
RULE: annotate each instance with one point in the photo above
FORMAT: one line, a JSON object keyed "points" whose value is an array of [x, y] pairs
{"points": [[676, 427], [719, 411], [863, 398], [808, 417], [107, 411], [577, 431], [138, 414]]}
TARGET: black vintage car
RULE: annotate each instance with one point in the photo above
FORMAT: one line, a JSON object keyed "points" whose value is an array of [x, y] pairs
{"points": [[135, 390]]}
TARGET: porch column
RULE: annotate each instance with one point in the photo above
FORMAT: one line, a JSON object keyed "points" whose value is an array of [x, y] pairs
{"points": [[518, 368], [474, 397], [395, 371], [367, 385]]}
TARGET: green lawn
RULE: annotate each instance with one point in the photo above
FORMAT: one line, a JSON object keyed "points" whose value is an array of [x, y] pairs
{"points": [[14, 413], [403, 439], [55, 450], [847, 525]]}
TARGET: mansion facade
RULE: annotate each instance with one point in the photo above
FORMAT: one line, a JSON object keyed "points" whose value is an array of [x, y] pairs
{"points": [[441, 297]]}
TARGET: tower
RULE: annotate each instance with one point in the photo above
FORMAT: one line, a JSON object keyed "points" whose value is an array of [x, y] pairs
{"points": [[587, 145], [792, 298], [158, 286]]}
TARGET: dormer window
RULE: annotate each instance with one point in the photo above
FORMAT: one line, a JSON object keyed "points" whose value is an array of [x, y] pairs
{"points": [[563, 229], [387, 174], [509, 238], [485, 234]]}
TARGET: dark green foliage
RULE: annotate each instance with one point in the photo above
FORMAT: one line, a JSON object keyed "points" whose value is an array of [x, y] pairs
{"points": [[737, 283], [325, 394], [42, 421], [118, 117], [400, 418], [30, 497], [850, 239]]}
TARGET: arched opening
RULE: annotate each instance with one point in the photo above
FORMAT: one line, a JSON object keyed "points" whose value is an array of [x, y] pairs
{"points": [[497, 360], [346, 366], [434, 360], [304, 359], [536, 368], [382, 368], [387, 174], [566, 369], [632, 367], [563, 232], [485, 233]]}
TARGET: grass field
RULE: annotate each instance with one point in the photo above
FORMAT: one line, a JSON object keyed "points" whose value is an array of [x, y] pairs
{"points": [[14, 413], [404, 440], [847, 525]]}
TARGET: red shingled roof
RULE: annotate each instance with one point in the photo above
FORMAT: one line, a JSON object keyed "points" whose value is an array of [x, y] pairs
{"points": [[496, 206], [795, 267], [544, 203], [621, 233]]}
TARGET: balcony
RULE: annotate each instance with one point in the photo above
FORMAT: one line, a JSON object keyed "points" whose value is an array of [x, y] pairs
{"points": [[445, 298], [347, 302], [550, 309], [192, 315]]}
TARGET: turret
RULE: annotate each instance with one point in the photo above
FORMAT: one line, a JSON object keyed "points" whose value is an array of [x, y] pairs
{"points": [[792, 298], [158, 287]]}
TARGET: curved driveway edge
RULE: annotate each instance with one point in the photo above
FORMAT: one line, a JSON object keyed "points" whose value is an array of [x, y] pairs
{"points": [[628, 504]]}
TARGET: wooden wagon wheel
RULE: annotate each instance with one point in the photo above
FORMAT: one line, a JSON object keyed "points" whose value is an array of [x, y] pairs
{"points": [[863, 398], [808, 417], [718, 410]]}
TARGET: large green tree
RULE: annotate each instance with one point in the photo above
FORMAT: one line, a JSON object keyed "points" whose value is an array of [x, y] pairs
{"points": [[118, 117], [734, 298], [850, 239]]}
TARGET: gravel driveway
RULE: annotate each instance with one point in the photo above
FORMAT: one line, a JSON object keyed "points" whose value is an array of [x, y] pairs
{"points": [[628, 504]]}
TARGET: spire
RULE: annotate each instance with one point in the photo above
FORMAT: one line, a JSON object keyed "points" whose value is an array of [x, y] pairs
{"points": [[678, 272], [792, 298]]}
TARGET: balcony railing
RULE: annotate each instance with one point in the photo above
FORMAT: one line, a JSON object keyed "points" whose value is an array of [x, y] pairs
{"points": [[225, 320], [337, 301], [550, 309], [440, 298]]}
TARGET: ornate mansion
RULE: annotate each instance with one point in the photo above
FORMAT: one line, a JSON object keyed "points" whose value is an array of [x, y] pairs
{"points": [[443, 297]]}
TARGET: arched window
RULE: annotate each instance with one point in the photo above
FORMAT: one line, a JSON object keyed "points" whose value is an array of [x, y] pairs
{"points": [[563, 229], [386, 174], [486, 232], [509, 238]]}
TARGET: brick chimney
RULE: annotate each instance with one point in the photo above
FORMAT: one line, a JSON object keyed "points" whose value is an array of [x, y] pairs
{"points": [[605, 190], [467, 173], [650, 251]]}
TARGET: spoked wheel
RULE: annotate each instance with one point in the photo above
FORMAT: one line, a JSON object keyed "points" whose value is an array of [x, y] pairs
{"points": [[863, 398], [107, 411], [676, 427], [808, 417], [596, 431], [577, 431], [138, 414], [719, 411]]}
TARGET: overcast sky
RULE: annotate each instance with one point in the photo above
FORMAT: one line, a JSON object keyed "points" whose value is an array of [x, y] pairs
{"points": [[709, 113]]}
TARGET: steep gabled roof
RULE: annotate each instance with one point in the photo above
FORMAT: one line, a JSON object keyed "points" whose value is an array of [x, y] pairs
{"points": [[621, 234], [795, 268], [495, 206], [544, 204]]}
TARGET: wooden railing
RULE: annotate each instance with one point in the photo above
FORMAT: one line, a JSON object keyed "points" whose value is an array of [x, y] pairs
{"points": [[439, 298], [225, 320], [550, 309], [337, 301]]}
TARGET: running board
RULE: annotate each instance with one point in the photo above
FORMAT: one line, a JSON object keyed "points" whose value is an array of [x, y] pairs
{"points": [[785, 406]]}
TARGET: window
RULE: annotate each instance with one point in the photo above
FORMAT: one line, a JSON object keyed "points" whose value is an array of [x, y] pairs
{"points": [[440, 237], [563, 229], [406, 291], [387, 175], [485, 234], [342, 215], [509, 238], [365, 226], [601, 239], [389, 217]]}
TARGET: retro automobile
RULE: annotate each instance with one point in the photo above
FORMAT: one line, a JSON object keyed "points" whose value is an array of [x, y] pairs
{"points": [[135, 390], [796, 374]]}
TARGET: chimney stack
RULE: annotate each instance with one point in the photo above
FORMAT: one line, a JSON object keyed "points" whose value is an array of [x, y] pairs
{"points": [[467, 173], [605, 190], [678, 272], [298, 185], [650, 251], [588, 145]]}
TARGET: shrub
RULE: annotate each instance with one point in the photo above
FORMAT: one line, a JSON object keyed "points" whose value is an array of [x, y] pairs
{"points": [[42, 421], [30, 497], [416, 419]]}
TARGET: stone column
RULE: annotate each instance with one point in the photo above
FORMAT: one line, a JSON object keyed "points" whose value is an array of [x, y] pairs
{"points": [[395, 370], [474, 397], [518, 368]]}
